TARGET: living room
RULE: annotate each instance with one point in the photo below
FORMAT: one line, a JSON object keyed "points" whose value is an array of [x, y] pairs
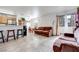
{"points": [[44, 25]]}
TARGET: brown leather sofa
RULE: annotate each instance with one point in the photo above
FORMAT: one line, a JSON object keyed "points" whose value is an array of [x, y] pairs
{"points": [[45, 31], [66, 48]]}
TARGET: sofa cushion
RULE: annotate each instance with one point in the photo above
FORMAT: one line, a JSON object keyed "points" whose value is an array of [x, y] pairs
{"points": [[69, 35], [68, 48], [45, 28], [41, 31]]}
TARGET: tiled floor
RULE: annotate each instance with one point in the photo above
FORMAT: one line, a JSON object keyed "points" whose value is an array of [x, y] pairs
{"points": [[30, 43]]}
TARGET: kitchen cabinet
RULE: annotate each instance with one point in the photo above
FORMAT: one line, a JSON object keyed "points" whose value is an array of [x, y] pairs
{"points": [[9, 20], [3, 20]]}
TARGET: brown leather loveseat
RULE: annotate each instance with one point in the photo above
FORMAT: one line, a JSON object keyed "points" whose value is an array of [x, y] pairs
{"points": [[45, 31]]}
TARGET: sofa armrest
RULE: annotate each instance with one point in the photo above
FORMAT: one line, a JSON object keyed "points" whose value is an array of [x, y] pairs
{"points": [[69, 35], [56, 49], [50, 32]]}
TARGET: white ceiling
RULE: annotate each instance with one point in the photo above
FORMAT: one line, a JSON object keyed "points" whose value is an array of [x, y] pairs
{"points": [[35, 11]]}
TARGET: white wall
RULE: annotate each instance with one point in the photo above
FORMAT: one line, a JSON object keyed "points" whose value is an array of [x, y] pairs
{"points": [[7, 12], [46, 20], [50, 20]]}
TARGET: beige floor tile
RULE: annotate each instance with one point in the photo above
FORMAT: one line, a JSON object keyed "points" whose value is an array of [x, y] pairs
{"points": [[30, 43]]}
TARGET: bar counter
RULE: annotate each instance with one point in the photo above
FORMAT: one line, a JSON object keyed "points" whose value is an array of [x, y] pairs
{"points": [[9, 27]]}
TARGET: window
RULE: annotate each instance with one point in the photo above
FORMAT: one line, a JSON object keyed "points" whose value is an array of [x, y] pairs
{"points": [[71, 20], [61, 21]]}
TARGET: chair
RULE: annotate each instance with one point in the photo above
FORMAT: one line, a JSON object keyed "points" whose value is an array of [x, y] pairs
{"points": [[8, 34], [2, 37], [19, 32]]}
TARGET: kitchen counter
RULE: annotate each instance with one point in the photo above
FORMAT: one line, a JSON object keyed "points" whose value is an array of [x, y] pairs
{"points": [[9, 27]]}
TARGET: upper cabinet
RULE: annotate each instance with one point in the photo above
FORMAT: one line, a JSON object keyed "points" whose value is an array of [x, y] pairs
{"points": [[8, 20], [3, 20], [11, 20]]}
